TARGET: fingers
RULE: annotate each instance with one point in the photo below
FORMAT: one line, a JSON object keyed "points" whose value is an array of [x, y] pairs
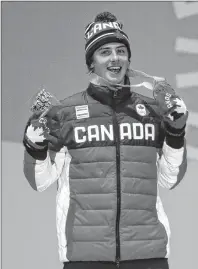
{"points": [[40, 129], [52, 139], [54, 113], [178, 123], [170, 111]]}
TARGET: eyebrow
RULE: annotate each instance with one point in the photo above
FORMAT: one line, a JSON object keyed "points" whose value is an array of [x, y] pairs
{"points": [[106, 47]]}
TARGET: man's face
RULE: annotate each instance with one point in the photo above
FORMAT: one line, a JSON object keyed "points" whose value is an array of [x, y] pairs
{"points": [[111, 62]]}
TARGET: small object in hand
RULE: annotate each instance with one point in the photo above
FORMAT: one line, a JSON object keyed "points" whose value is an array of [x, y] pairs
{"points": [[165, 96], [42, 101], [162, 87], [172, 107]]}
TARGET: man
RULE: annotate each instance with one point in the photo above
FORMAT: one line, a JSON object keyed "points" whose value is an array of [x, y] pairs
{"points": [[109, 148]]}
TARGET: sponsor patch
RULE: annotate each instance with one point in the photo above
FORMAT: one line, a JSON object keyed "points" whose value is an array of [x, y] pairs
{"points": [[141, 109], [82, 112]]}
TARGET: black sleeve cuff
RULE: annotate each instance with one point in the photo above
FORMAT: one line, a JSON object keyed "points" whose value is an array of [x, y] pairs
{"points": [[175, 142], [41, 156], [173, 131], [174, 137]]}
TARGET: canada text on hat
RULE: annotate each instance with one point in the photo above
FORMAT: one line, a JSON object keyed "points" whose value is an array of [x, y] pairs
{"points": [[100, 26]]}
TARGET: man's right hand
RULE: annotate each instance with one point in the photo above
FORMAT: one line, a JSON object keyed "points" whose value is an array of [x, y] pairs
{"points": [[41, 131]]}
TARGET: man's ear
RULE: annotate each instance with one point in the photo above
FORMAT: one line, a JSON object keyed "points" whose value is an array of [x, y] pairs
{"points": [[91, 67]]}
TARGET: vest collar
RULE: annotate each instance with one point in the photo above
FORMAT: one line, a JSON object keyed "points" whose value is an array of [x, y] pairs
{"points": [[110, 95]]}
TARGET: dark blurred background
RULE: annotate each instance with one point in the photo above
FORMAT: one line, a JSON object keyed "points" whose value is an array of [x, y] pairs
{"points": [[43, 46]]}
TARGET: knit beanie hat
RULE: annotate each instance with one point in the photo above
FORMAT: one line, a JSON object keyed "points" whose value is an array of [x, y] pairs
{"points": [[105, 29]]}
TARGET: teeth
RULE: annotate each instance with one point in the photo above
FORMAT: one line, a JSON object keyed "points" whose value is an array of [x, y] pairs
{"points": [[114, 69]]}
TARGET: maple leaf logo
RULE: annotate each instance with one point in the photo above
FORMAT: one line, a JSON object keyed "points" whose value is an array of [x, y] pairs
{"points": [[181, 107], [35, 135], [170, 117]]}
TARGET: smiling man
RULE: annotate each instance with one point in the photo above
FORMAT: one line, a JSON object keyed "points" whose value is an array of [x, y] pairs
{"points": [[111, 62], [109, 148], [107, 48]]}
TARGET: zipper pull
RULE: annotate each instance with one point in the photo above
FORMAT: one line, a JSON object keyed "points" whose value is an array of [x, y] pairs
{"points": [[115, 94], [117, 263]]}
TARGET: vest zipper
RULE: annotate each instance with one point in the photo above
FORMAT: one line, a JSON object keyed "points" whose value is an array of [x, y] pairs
{"points": [[117, 142]]}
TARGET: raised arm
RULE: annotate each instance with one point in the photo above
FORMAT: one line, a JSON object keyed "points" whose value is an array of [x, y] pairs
{"points": [[45, 157], [172, 160]]}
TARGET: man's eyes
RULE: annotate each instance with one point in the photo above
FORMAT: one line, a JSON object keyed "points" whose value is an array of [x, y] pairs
{"points": [[108, 52], [121, 51], [105, 52]]}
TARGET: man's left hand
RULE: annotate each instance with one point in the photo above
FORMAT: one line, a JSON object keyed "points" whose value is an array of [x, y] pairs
{"points": [[172, 108]]}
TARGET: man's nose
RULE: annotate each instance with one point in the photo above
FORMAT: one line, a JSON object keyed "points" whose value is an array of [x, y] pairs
{"points": [[114, 56]]}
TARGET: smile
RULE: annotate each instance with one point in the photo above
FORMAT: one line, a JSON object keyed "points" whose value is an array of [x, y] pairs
{"points": [[114, 69]]}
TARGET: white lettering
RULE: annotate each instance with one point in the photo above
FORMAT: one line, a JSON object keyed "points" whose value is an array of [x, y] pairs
{"points": [[76, 134], [149, 131], [169, 105], [93, 135], [167, 100], [135, 127], [104, 132], [116, 25], [109, 25], [126, 133], [97, 27], [89, 34]]}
